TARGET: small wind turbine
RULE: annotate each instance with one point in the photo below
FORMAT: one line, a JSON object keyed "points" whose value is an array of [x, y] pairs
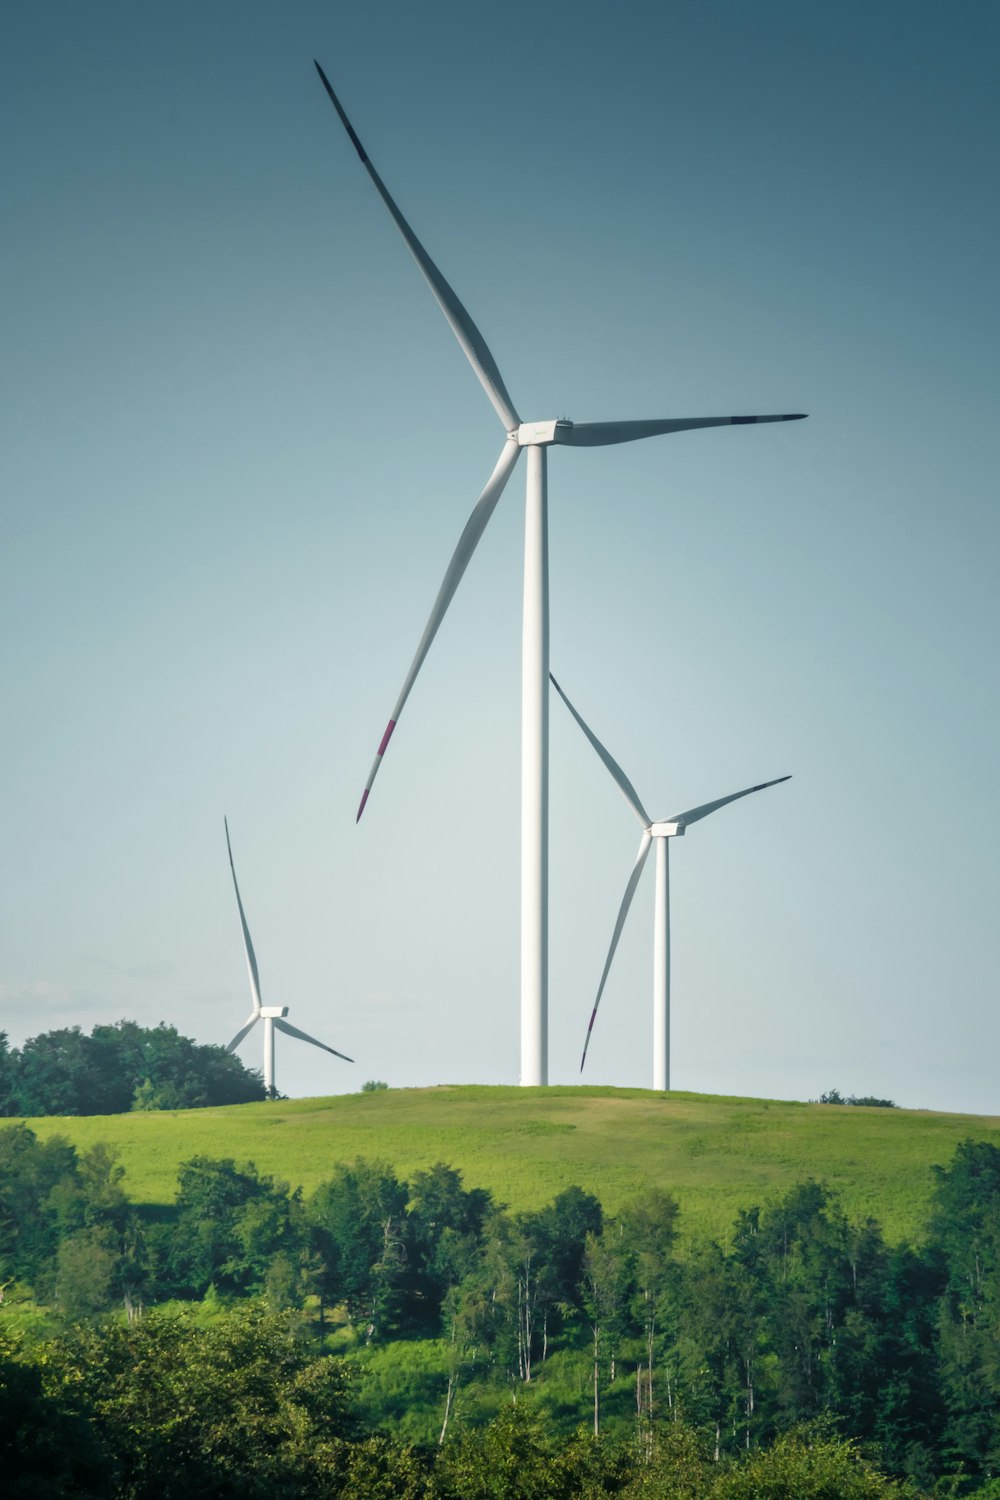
{"points": [[537, 437], [272, 1015], [658, 833]]}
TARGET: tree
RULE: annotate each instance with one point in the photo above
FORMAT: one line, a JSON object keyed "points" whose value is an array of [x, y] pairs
{"points": [[118, 1068], [36, 1178], [806, 1466], [235, 1409], [8, 1078], [360, 1233], [445, 1231], [232, 1226], [46, 1445], [606, 1284], [964, 1240], [649, 1226]]}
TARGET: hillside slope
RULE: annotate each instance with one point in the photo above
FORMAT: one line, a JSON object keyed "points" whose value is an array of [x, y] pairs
{"points": [[715, 1155]]}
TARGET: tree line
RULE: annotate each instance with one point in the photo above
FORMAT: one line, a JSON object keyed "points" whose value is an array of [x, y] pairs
{"points": [[803, 1314], [164, 1408], [119, 1068]]}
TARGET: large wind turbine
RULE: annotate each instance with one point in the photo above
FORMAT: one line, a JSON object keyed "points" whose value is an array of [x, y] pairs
{"points": [[657, 832], [273, 1016], [537, 437]]}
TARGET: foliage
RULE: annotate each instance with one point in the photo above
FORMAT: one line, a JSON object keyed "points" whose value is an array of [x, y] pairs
{"points": [[834, 1096], [235, 1230], [46, 1446], [238, 1408], [373, 1085], [804, 1466], [65, 1225], [360, 1238], [119, 1068]]}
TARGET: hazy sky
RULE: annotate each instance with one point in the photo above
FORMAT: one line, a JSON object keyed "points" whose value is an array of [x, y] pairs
{"points": [[240, 443]]}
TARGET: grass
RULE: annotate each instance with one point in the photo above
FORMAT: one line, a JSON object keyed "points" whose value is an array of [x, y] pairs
{"points": [[716, 1155]]}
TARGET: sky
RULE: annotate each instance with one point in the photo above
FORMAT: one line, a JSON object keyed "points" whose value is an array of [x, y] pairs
{"points": [[240, 443]]}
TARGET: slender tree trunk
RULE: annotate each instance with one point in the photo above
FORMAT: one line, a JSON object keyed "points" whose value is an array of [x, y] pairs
{"points": [[597, 1400], [447, 1407]]}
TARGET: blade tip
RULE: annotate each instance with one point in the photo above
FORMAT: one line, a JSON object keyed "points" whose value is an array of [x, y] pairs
{"points": [[364, 799]]}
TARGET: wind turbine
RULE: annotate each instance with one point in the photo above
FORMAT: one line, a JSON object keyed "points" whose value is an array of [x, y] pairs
{"points": [[273, 1016], [657, 832], [537, 437]]}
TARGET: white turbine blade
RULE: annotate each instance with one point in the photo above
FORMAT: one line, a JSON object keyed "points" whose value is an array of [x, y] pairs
{"points": [[633, 881], [247, 944], [694, 814], [602, 434], [468, 335], [467, 543], [625, 786], [242, 1033], [304, 1037]]}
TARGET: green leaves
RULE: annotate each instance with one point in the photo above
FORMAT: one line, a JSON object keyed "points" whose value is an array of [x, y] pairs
{"points": [[119, 1068]]}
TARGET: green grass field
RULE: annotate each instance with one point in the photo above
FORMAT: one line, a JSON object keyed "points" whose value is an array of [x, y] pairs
{"points": [[715, 1155]]}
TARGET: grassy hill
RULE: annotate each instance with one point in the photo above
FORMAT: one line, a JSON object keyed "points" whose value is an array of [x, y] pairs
{"points": [[714, 1154]]}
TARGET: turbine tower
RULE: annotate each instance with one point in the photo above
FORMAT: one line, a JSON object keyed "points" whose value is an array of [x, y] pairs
{"points": [[537, 438], [658, 833], [273, 1016]]}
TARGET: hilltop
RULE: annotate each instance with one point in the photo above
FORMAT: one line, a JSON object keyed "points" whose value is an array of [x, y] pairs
{"points": [[715, 1154]]}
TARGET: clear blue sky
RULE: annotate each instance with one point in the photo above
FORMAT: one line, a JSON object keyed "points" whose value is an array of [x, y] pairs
{"points": [[240, 443]]}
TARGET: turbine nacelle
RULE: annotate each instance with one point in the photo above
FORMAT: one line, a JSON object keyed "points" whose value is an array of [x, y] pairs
{"points": [[542, 434], [273, 1011], [666, 830]]}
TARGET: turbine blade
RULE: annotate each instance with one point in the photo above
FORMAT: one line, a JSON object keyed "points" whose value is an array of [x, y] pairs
{"points": [[602, 434], [462, 326], [242, 1033], [467, 543], [694, 814], [247, 944], [625, 786], [303, 1036], [633, 881]]}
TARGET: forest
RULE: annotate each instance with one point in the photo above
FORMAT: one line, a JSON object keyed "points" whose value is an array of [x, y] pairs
{"points": [[118, 1068], [401, 1328]]}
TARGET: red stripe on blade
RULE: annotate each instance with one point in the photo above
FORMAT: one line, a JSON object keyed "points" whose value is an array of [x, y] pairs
{"points": [[386, 737], [361, 809]]}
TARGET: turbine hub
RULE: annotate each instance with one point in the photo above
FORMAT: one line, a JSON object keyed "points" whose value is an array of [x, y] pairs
{"points": [[666, 830], [541, 434]]}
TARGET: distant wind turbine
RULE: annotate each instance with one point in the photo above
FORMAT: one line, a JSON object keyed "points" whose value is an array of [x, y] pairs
{"points": [[658, 833], [273, 1016], [537, 437]]}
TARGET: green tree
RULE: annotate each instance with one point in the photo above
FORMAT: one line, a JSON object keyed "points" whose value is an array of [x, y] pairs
{"points": [[649, 1227], [445, 1231], [360, 1235], [804, 1466], [46, 1446], [964, 1241], [235, 1409], [232, 1225], [8, 1078], [118, 1068], [38, 1186]]}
